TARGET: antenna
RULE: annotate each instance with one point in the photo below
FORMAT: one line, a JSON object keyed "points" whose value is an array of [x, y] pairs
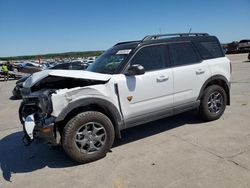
{"points": [[190, 30], [160, 30]]}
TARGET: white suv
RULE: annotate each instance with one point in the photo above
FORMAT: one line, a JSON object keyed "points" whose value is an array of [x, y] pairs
{"points": [[130, 84]]}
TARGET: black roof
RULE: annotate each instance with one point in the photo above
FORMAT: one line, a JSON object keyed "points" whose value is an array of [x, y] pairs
{"points": [[176, 37], [244, 40]]}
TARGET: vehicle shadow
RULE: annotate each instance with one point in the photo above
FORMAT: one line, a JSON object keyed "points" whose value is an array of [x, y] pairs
{"points": [[13, 98], [156, 127], [17, 158]]}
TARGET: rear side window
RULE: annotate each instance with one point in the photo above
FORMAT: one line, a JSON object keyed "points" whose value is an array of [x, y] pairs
{"points": [[213, 47], [209, 50], [183, 54], [151, 57]]}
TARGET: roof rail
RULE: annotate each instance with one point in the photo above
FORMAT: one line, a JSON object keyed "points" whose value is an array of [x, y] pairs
{"points": [[156, 37]]}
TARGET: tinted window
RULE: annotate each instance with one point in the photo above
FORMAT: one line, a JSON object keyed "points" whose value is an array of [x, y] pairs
{"points": [[64, 66], [209, 50], [151, 57], [213, 48], [183, 54]]}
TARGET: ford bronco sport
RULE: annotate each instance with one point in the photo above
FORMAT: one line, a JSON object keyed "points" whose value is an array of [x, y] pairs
{"points": [[130, 84]]}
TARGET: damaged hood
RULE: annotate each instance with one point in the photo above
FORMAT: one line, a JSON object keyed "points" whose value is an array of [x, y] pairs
{"points": [[78, 74]]}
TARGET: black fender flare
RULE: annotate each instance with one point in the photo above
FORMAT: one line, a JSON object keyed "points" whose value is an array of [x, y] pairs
{"points": [[113, 111], [217, 78]]}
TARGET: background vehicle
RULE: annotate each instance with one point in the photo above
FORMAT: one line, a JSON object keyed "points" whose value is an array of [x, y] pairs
{"points": [[130, 84], [244, 45], [231, 47], [89, 62], [19, 85], [74, 65], [30, 68]]}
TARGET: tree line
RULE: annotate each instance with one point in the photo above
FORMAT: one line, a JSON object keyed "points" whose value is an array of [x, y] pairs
{"points": [[54, 55]]}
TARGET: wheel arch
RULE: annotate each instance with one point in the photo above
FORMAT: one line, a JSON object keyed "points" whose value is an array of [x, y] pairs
{"points": [[96, 104], [218, 80]]}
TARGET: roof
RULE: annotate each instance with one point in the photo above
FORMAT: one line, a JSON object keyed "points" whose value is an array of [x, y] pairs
{"points": [[152, 39]]}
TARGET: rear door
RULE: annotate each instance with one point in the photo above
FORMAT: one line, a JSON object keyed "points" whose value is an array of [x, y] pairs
{"points": [[189, 72]]}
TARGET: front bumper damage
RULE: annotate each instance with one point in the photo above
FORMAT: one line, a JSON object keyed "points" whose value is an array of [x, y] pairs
{"points": [[37, 123], [45, 132]]}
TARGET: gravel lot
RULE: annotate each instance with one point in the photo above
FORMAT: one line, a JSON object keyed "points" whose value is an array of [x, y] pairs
{"points": [[180, 151]]}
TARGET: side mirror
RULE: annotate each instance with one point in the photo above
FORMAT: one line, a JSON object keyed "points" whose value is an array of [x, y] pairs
{"points": [[135, 70]]}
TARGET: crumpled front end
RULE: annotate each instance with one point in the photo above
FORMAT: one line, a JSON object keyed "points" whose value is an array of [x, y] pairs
{"points": [[45, 98], [35, 116]]}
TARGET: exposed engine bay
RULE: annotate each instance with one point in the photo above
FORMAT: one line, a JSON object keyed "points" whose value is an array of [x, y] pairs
{"points": [[55, 82]]}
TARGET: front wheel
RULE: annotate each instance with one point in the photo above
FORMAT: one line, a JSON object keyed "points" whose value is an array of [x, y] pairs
{"points": [[88, 136], [213, 103]]}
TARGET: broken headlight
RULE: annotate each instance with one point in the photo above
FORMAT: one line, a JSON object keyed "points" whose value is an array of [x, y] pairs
{"points": [[38, 103]]}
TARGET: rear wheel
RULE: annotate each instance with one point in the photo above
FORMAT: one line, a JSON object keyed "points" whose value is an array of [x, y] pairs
{"points": [[88, 136], [213, 103]]}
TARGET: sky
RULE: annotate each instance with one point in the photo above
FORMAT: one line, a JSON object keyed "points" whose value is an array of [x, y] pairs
{"points": [[29, 27]]}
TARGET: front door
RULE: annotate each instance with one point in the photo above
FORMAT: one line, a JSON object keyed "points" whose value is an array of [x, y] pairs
{"points": [[151, 94]]}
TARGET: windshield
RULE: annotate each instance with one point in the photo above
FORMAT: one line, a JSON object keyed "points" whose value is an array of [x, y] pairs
{"points": [[109, 61]]}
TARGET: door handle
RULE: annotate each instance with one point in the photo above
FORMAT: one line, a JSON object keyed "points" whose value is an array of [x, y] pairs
{"points": [[162, 78], [200, 71]]}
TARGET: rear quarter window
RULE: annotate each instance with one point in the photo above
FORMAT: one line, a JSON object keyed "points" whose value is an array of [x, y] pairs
{"points": [[209, 49]]}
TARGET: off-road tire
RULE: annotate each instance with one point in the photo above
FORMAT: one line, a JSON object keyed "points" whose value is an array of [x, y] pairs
{"points": [[204, 109], [70, 130]]}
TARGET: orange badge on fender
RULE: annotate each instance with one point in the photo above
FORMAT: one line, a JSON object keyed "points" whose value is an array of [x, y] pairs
{"points": [[130, 98]]}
